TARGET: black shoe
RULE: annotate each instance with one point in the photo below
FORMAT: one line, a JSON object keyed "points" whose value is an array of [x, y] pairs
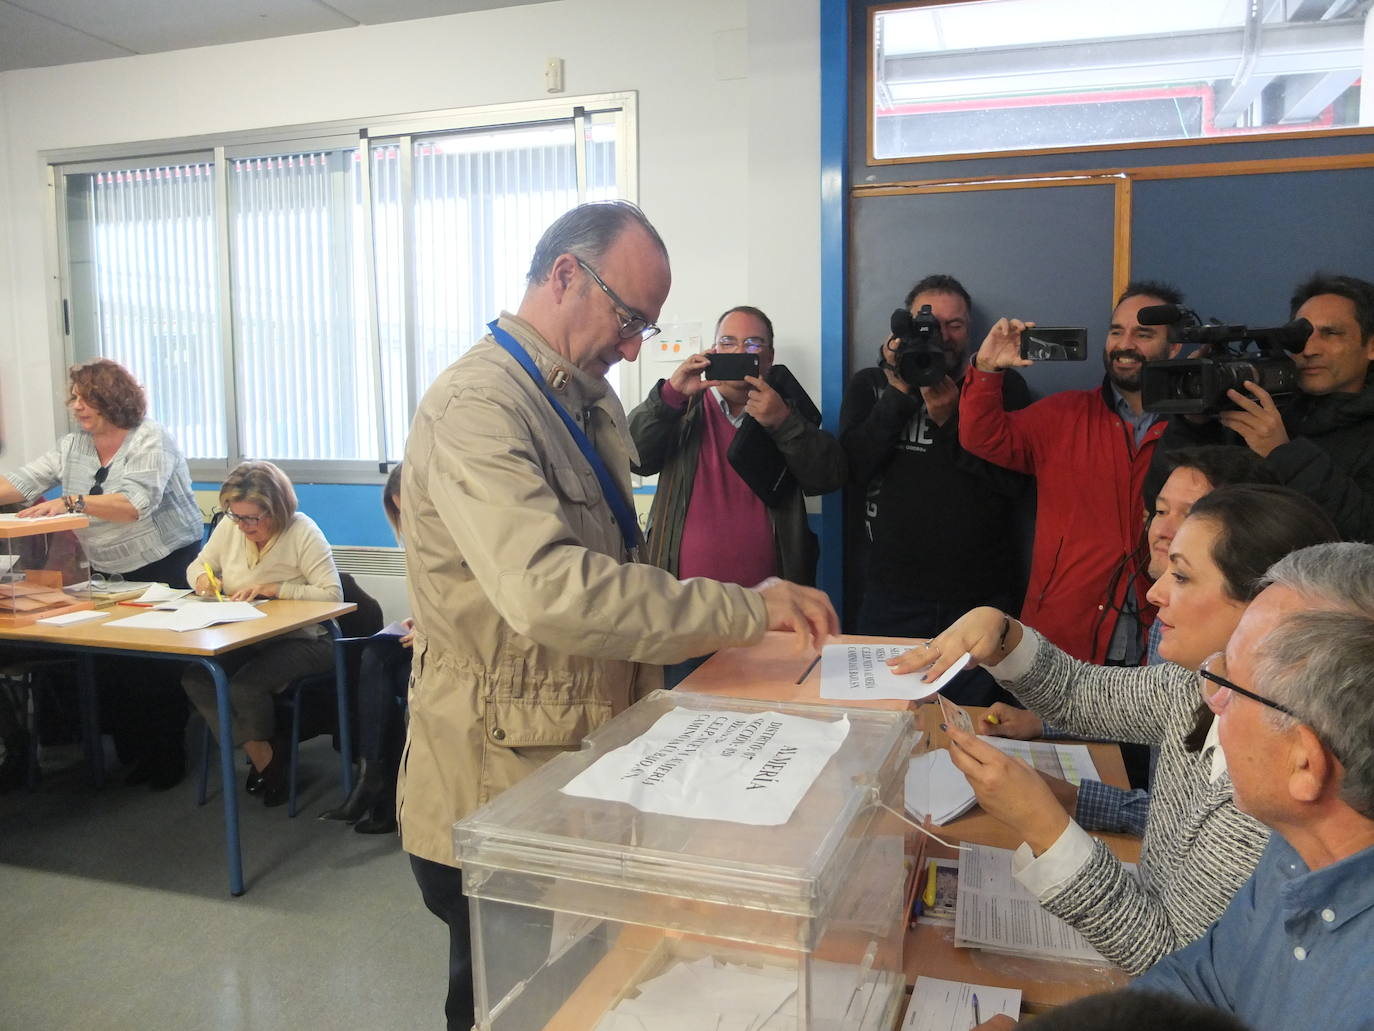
{"points": [[365, 791], [142, 772], [385, 824], [275, 786], [253, 785]]}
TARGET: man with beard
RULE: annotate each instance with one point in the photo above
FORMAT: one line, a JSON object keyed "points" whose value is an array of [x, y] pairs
{"points": [[1089, 451]]}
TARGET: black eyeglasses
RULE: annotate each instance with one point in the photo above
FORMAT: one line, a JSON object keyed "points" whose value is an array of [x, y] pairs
{"points": [[632, 323], [99, 486], [1209, 686], [249, 521]]}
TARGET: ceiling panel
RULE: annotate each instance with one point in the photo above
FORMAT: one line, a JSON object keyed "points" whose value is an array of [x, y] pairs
{"points": [[30, 41], [374, 12]]}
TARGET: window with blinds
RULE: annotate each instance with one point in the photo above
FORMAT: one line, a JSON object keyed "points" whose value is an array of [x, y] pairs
{"points": [[293, 302]]}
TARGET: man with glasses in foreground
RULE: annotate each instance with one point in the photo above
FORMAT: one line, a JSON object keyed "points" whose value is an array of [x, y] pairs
{"points": [[1293, 696], [534, 620]]}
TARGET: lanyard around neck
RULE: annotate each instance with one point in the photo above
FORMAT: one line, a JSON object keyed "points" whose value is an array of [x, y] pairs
{"points": [[620, 508]]}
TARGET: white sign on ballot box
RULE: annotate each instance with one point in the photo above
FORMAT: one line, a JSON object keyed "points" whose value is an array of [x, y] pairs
{"points": [[744, 768]]}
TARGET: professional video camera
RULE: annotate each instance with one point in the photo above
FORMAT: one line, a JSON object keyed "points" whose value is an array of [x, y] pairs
{"points": [[919, 358], [1235, 354]]}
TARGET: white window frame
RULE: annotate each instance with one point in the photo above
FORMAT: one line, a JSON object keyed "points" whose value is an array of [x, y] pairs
{"points": [[362, 133]]}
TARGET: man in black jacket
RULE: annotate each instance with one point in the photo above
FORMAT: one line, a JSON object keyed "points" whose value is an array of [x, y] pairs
{"points": [[1322, 444], [939, 522]]}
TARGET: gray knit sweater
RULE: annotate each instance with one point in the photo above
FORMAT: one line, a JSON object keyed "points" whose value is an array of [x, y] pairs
{"points": [[1198, 849]]}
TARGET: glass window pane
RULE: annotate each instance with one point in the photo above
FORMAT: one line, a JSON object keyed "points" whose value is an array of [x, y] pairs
{"points": [[1006, 75], [141, 264], [302, 345]]}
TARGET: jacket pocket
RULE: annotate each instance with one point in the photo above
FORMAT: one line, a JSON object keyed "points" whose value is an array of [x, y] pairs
{"points": [[1048, 578], [542, 722]]}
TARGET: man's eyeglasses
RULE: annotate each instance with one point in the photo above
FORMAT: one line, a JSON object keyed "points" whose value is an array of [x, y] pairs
{"points": [[632, 323], [749, 345], [99, 486], [243, 520], [1216, 690]]}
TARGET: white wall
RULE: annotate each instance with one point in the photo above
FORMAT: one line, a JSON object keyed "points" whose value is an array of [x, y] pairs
{"points": [[728, 143]]}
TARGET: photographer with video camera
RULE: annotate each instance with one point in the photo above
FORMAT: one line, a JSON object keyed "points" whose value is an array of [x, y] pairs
{"points": [[938, 520], [1089, 451], [1309, 414]]}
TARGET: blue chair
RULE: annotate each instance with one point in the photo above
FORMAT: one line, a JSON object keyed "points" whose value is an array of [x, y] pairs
{"points": [[357, 627]]}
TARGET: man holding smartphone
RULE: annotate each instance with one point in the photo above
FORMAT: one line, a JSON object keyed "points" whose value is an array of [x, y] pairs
{"points": [[1089, 451], [695, 431], [939, 521]]}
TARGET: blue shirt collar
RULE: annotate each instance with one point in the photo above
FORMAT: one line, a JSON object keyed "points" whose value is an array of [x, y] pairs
{"points": [[1345, 887]]}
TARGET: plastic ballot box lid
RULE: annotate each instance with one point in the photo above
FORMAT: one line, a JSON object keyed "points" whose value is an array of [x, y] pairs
{"points": [[729, 869]]}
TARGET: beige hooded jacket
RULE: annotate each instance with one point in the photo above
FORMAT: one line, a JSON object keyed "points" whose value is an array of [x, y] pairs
{"points": [[531, 619]]}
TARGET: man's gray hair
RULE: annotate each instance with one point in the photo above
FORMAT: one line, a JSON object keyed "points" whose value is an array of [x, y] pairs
{"points": [[587, 232], [1320, 664]]}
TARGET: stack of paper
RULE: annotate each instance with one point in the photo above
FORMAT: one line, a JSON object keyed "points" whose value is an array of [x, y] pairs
{"points": [[995, 912], [936, 789], [939, 1005], [709, 993], [159, 593], [68, 618], [192, 617]]}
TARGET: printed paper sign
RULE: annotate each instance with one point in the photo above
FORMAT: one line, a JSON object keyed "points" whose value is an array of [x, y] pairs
{"points": [[748, 768], [852, 672]]}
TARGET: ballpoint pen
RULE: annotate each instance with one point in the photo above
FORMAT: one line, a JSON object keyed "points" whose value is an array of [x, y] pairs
{"points": [[214, 582], [977, 1019]]}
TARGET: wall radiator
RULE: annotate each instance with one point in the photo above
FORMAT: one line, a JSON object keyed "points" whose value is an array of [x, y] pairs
{"points": [[381, 572]]}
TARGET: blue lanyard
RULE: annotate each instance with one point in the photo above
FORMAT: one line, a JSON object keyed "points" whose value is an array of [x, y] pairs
{"points": [[620, 508]]}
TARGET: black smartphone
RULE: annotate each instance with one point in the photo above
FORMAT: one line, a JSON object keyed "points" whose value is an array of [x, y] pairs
{"points": [[1055, 344], [731, 366]]}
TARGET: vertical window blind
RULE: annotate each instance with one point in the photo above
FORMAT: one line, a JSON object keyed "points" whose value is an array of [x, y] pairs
{"points": [[333, 331]]}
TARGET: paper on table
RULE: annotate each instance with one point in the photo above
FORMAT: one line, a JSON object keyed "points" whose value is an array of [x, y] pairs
{"points": [[68, 618], [936, 788], [1073, 763], [940, 1005], [710, 765], [995, 912], [860, 671], [160, 593], [705, 993], [396, 629], [191, 617]]}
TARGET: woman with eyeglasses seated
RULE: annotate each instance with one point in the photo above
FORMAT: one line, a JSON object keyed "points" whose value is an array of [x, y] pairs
{"points": [[383, 680], [263, 548], [128, 476], [1198, 848]]}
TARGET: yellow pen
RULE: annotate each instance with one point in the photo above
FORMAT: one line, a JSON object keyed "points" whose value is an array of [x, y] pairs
{"points": [[214, 582], [932, 872], [991, 718]]}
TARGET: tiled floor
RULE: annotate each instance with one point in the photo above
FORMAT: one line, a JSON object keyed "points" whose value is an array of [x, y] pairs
{"points": [[115, 913]]}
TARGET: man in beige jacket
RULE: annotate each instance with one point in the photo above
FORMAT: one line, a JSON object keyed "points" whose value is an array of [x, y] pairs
{"points": [[534, 622]]}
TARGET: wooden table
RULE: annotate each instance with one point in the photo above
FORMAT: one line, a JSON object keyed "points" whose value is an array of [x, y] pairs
{"points": [[99, 637], [771, 671]]}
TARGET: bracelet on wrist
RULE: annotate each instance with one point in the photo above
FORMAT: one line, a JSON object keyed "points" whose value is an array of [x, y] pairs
{"points": [[80, 506]]}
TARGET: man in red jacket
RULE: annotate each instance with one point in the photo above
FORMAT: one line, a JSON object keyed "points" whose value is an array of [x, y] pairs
{"points": [[1089, 451]]}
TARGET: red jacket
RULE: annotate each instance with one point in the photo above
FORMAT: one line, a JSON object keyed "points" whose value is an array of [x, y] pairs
{"points": [[1089, 510]]}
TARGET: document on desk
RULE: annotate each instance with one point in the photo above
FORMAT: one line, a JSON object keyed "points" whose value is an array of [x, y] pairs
{"points": [[936, 788], [191, 617], [709, 993], [1073, 763], [68, 618], [158, 594], [995, 912], [709, 765], [859, 672], [940, 1005]]}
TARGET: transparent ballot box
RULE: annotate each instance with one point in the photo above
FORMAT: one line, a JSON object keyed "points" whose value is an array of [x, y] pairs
{"points": [[43, 569], [702, 862]]}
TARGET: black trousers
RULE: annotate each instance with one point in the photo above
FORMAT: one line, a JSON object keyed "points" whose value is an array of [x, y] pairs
{"points": [[142, 703], [442, 889]]}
